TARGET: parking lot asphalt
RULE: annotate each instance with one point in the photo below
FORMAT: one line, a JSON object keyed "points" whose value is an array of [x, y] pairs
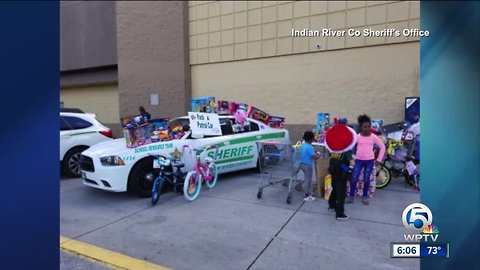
{"points": [[229, 228], [69, 261]]}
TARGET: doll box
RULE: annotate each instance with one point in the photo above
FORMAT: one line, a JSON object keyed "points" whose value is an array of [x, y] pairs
{"points": [[138, 136]]}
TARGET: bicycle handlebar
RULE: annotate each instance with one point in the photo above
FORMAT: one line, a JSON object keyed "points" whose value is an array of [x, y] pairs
{"points": [[204, 149]]}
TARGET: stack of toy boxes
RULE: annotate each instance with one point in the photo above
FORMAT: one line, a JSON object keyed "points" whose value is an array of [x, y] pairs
{"points": [[208, 105], [160, 130], [138, 131]]}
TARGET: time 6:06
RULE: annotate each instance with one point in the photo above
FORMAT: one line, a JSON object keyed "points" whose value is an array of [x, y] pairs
{"points": [[406, 250]]}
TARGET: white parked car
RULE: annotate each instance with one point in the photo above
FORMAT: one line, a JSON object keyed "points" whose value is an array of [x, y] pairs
{"points": [[114, 167], [78, 131]]}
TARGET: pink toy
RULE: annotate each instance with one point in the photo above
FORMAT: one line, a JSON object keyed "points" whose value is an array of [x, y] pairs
{"points": [[240, 118]]}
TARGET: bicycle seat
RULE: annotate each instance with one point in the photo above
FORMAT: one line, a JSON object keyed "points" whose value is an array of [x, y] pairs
{"points": [[178, 165]]}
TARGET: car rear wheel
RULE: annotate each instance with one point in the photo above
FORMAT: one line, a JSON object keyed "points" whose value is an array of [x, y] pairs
{"points": [[261, 162], [140, 181], [71, 162]]}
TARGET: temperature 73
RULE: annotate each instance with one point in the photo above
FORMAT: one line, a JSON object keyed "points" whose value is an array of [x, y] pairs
{"points": [[433, 250]]}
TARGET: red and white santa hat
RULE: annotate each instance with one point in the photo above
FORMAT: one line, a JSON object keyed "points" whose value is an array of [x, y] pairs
{"points": [[340, 138]]}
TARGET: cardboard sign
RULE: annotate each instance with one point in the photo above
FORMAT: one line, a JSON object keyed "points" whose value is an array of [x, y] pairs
{"points": [[321, 171], [206, 124], [412, 109]]}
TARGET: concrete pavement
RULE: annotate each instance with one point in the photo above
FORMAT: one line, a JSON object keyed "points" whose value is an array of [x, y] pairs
{"points": [[229, 228]]}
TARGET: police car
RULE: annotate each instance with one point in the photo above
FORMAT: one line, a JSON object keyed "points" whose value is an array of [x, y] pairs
{"points": [[114, 167]]}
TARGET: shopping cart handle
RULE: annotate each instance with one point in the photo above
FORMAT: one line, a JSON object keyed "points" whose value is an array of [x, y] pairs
{"points": [[274, 155]]}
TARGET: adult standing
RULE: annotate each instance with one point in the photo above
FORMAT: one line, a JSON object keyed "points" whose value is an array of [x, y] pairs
{"points": [[339, 140], [144, 113]]}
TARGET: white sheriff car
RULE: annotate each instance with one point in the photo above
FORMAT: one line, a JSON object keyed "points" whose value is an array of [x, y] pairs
{"points": [[114, 167]]}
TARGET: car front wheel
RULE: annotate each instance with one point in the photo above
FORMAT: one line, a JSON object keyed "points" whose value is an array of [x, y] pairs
{"points": [[140, 181], [71, 162]]}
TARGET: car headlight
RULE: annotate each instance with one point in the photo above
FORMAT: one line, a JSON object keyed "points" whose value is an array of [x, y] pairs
{"points": [[112, 161]]}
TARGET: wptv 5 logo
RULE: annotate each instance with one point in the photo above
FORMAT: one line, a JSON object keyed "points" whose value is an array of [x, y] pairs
{"points": [[417, 218]]}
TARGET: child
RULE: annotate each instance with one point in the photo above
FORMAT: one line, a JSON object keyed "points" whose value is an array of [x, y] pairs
{"points": [[339, 141], [365, 157], [307, 155]]}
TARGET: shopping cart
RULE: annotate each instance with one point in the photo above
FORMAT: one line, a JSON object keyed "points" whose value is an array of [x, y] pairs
{"points": [[278, 169]]}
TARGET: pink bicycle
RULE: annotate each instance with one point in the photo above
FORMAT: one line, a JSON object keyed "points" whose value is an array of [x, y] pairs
{"points": [[205, 170]]}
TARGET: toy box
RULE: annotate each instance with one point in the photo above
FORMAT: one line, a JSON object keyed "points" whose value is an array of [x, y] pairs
{"points": [[138, 136], [176, 132], [159, 130], [226, 107], [259, 115], [204, 104], [377, 124], [241, 106], [323, 124], [160, 124], [328, 186], [133, 121], [276, 122]]}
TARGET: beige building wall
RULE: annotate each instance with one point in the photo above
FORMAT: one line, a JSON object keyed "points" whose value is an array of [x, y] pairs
{"points": [[153, 57], [101, 100], [235, 30], [373, 80], [244, 51]]}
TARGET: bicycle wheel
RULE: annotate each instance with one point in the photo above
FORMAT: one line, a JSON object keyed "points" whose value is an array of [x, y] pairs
{"points": [[157, 189], [212, 170], [383, 177], [413, 180], [192, 185]]}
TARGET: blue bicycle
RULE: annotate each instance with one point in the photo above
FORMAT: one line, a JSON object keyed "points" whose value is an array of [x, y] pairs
{"points": [[169, 172]]}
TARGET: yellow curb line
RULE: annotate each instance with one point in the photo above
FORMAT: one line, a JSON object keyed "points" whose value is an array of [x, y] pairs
{"points": [[106, 256]]}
